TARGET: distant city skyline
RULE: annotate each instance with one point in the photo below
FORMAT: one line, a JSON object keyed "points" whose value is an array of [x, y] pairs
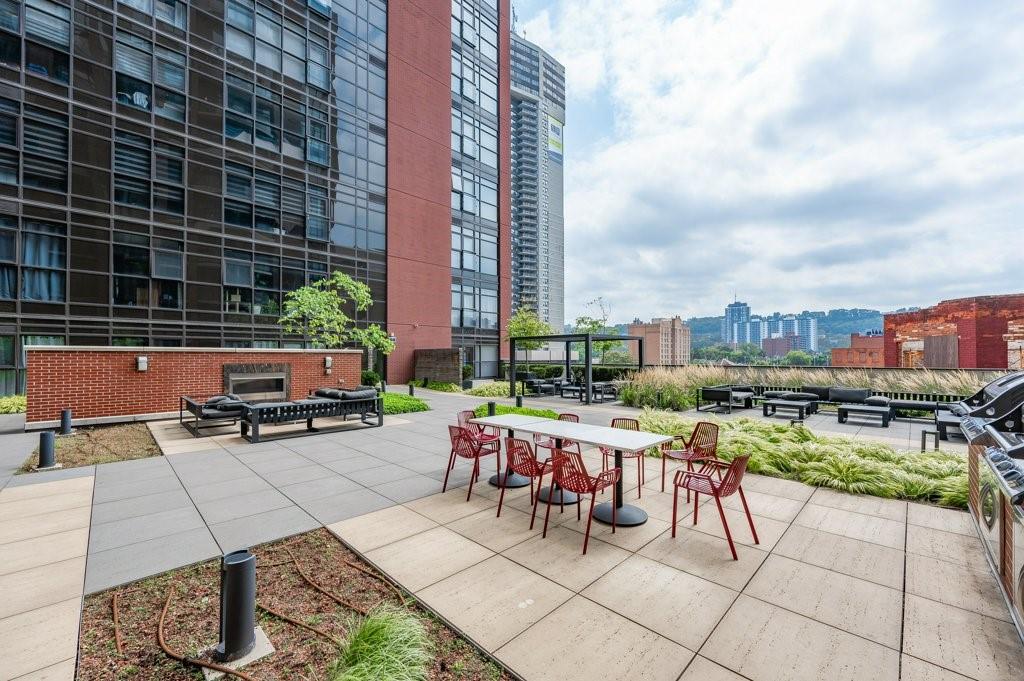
{"points": [[806, 155]]}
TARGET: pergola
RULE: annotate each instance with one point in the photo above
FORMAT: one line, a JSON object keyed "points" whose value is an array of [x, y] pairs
{"points": [[569, 338]]}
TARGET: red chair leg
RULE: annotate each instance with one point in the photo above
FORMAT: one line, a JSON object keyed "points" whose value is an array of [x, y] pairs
{"points": [[547, 513], [696, 505], [475, 474], [689, 469], [536, 498], [639, 478], [663, 457], [750, 518], [675, 508], [725, 524], [590, 518], [451, 465], [501, 500]]}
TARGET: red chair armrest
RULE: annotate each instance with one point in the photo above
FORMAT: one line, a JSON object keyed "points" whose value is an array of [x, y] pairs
{"points": [[608, 478]]}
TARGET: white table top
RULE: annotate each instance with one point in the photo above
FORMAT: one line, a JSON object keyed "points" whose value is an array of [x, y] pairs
{"points": [[603, 436]]}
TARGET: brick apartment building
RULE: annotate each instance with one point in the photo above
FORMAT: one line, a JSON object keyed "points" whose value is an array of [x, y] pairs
{"points": [[666, 341], [866, 350], [780, 346], [170, 169], [985, 332]]}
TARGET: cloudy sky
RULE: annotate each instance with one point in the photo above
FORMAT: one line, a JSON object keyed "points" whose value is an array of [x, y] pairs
{"points": [[800, 154]]}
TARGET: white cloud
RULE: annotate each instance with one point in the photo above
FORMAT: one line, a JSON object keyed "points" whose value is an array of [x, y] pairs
{"points": [[805, 155]]}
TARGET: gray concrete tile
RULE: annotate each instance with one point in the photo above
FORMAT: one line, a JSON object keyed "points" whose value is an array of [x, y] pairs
{"points": [[50, 476], [279, 462], [379, 475], [348, 505], [137, 469], [339, 453], [291, 476], [228, 488], [112, 535], [355, 463], [127, 489], [326, 486], [129, 508], [408, 489], [144, 559], [246, 532], [239, 506]]}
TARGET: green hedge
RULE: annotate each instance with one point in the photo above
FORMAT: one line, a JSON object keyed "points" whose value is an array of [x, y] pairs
{"points": [[496, 389], [524, 411], [395, 403], [443, 387], [14, 404]]}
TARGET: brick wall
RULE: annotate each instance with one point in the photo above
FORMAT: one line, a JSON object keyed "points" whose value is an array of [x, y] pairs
{"points": [[103, 383], [443, 365], [980, 323], [864, 351]]}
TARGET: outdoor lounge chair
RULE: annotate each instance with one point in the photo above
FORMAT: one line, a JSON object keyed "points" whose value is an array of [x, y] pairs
{"points": [[738, 396], [214, 412]]}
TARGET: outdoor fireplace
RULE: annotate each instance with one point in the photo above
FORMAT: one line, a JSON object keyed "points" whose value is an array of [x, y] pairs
{"points": [[258, 382]]}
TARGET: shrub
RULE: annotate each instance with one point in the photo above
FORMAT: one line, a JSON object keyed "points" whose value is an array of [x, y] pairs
{"points": [[443, 387], [369, 377], [467, 371], [782, 451], [395, 403], [13, 404], [524, 411], [387, 644], [496, 389]]}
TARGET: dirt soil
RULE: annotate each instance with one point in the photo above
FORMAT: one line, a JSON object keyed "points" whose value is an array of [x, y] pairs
{"points": [[192, 620], [101, 444]]}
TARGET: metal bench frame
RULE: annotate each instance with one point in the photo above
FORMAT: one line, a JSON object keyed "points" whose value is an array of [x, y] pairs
{"points": [[198, 420], [370, 411], [843, 412]]}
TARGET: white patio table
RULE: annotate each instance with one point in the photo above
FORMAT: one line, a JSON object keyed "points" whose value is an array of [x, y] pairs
{"points": [[617, 439]]}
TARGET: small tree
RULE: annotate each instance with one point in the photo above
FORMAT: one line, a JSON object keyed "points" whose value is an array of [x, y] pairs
{"points": [[525, 322], [797, 358], [318, 311]]}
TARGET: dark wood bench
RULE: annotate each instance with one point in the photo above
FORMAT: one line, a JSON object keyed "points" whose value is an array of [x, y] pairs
{"points": [[844, 411], [801, 408], [370, 411]]}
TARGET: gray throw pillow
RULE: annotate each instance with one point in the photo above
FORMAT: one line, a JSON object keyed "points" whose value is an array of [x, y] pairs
{"points": [[877, 401], [359, 394], [848, 395]]}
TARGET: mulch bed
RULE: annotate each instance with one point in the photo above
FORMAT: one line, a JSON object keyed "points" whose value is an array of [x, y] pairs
{"points": [[192, 619], [101, 444]]}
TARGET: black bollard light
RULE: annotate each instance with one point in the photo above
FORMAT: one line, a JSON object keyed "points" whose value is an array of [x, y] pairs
{"points": [[659, 399], [46, 458], [65, 422], [491, 408], [519, 400], [412, 390], [237, 606]]}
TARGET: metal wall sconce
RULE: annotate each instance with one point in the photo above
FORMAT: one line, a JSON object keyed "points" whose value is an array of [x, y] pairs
{"points": [[142, 363], [328, 363]]}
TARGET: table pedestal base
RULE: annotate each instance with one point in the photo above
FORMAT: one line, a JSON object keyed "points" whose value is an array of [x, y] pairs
{"points": [[627, 516], [509, 480], [558, 496]]}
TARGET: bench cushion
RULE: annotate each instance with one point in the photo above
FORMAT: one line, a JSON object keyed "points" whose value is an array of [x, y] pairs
{"points": [[924, 405], [228, 404], [878, 401], [330, 393], [366, 394], [820, 391], [799, 397], [848, 395], [773, 394], [209, 413]]}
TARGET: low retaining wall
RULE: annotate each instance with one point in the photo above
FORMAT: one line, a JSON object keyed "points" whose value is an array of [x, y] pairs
{"points": [[103, 384]]}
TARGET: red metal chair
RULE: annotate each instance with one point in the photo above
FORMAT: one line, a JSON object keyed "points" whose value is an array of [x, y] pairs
{"points": [[570, 473], [522, 460], [703, 482], [702, 444], [465, 446], [481, 433], [545, 442], [627, 424]]}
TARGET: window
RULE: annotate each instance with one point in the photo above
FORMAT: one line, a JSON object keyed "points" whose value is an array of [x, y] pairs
{"points": [[10, 16], [48, 28], [321, 6], [8, 258], [317, 214], [239, 18], [133, 62], [173, 12], [237, 281], [131, 269], [268, 38], [318, 72], [44, 260], [317, 150], [294, 130], [46, 149], [144, 6]]}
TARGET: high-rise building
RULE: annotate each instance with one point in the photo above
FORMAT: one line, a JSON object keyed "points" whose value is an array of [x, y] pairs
{"points": [[666, 341], [538, 115], [737, 314], [169, 170], [807, 330]]}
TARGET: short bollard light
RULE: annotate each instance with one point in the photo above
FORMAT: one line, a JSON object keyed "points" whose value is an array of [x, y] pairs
{"points": [[237, 606], [491, 408], [519, 400], [412, 390], [46, 456], [65, 422]]}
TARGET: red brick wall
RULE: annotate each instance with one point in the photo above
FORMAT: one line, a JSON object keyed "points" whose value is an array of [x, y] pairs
{"points": [[97, 383], [981, 324], [864, 351], [419, 180]]}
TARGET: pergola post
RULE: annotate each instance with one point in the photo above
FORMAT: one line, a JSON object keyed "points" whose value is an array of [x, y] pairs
{"points": [[640, 354], [512, 368], [587, 375], [568, 361]]}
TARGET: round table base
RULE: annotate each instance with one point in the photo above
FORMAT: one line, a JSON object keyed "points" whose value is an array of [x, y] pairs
{"points": [[560, 496], [627, 516], [509, 481]]}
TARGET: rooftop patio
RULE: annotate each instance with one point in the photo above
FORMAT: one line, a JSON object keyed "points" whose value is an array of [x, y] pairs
{"points": [[840, 586]]}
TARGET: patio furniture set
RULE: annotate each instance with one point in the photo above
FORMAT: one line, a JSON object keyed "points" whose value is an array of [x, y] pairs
{"points": [[228, 410], [806, 400], [600, 391], [477, 437]]}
